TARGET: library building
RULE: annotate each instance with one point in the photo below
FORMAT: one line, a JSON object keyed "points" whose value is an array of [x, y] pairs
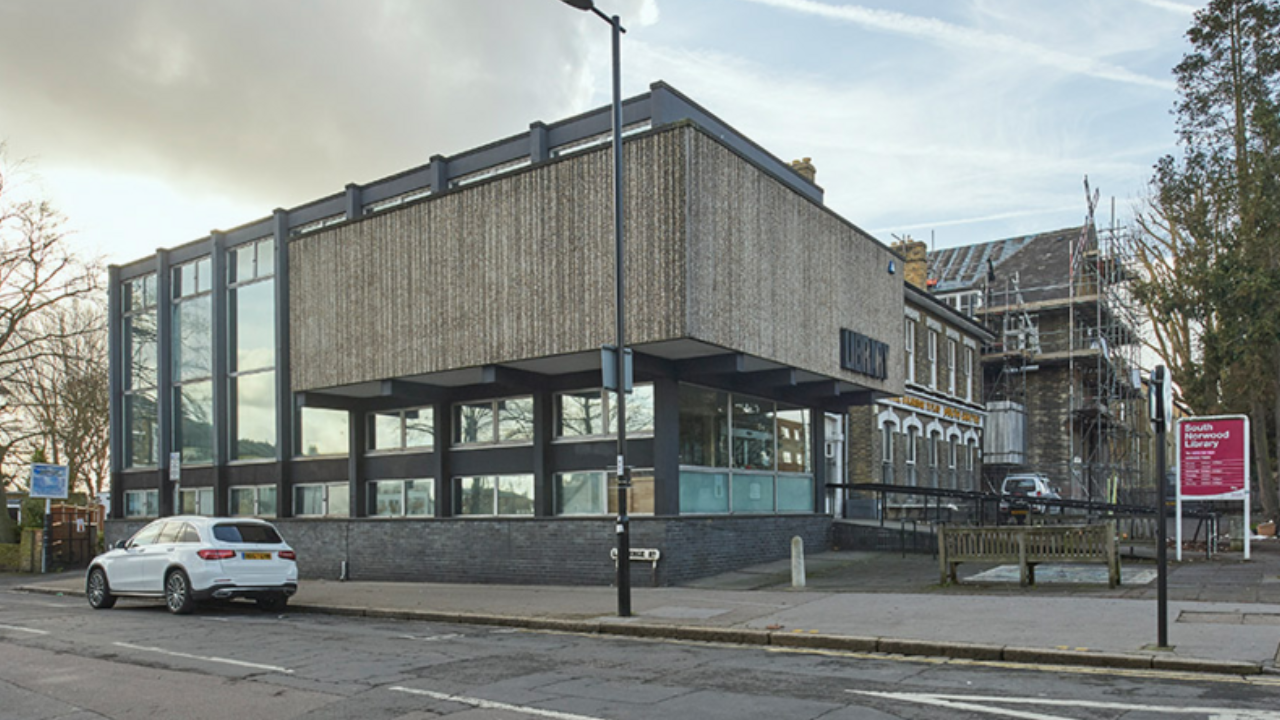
{"points": [[406, 376]]}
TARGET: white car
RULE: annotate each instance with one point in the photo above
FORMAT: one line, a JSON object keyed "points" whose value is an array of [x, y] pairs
{"points": [[1017, 489], [187, 559]]}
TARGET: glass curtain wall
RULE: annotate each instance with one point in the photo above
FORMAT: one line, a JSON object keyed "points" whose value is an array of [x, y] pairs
{"points": [[740, 454], [193, 361], [252, 317], [141, 376]]}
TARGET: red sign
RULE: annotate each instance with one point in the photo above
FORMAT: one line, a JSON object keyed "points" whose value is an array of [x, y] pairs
{"points": [[1213, 457]]}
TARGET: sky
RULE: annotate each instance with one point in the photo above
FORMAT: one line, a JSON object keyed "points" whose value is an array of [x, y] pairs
{"points": [[149, 123]]}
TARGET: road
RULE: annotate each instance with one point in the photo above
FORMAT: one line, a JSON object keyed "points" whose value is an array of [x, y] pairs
{"points": [[60, 659]]}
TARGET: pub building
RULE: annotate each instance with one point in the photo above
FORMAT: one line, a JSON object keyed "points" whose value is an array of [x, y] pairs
{"points": [[405, 376]]}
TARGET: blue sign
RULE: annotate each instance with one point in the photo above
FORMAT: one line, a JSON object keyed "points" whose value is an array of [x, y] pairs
{"points": [[48, 481]]}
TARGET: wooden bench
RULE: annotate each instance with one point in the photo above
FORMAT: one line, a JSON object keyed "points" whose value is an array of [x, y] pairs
{"points": [[649, 555], [1028, 546]]}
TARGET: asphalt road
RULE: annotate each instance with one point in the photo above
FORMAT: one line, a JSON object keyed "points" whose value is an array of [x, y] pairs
{"points": [[61, 660]]}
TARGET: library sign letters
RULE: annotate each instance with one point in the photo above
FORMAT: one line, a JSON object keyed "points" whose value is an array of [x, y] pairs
{"points": [[864, 355]]}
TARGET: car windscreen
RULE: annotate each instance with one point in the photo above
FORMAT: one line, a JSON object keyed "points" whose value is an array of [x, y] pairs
{"points": [[246, 533]]}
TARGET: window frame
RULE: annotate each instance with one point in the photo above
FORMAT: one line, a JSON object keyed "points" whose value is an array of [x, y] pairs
{"points": [[371, 434], [455, 440], [143, 492], [607, 412], [236, 283], [404, 497], [257, 500], [328, 489]]}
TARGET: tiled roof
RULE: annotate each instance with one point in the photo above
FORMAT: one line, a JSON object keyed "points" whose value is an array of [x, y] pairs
{"points": [[1041, 263]]}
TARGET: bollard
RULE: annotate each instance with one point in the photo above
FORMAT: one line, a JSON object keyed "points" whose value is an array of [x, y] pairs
{"points": [[797, 562]]}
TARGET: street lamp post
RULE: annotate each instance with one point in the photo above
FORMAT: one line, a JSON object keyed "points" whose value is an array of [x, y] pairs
{"points": [[623, 526]]}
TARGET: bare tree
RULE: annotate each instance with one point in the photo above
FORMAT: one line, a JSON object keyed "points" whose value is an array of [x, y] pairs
{"points": [[38, 274], [64, 392]]}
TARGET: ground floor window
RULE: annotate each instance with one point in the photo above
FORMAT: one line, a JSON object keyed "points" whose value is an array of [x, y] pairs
{"points": [[719, 492], [141, 503], [493, 495], [195, 501], [402, 498], [331, 500], [253, 500], [595, 492]]}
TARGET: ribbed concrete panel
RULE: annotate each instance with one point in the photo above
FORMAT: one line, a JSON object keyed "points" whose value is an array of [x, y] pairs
{"points": [[774, 275], [514, 268]]}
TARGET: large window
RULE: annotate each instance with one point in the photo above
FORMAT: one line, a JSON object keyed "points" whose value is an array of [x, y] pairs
{"points": [[910, 457], [139, 302], [509, 420], [593, 413], [323, 432], [141, 503], [332, 499], [952, 361], [493, 495], [253, 500], [909, 348], [193, 361], [595, 492], [740, 454], [195, 501], [251, 269], [402, 498], [968, 374], [412, 429], [933, 359]]}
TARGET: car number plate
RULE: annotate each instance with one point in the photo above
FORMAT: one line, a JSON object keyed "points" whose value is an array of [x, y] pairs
{"points": [[257, 556]]}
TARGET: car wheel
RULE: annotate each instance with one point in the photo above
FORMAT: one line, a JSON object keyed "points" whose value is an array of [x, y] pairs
{"points": [[98, 591], [177, 593], [274, 602]]}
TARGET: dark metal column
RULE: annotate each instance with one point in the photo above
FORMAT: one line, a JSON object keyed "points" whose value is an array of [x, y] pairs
{"points": [[221, 348], [543, 433], [286, 408], [442, 416], [666, 447], [164, 379], [357, 433], [116, 355], [818, 458]]}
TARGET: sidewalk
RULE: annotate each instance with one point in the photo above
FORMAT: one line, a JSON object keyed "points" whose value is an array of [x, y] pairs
{"points": [[877, 602]]}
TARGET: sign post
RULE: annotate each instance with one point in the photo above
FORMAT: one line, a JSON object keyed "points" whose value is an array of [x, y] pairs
{"points": [[1213, 464], [48, 482], [1159, 397]]}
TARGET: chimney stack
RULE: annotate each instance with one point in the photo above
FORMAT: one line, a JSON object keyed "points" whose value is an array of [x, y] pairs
{"points": [[915, 268], [806, 169]]}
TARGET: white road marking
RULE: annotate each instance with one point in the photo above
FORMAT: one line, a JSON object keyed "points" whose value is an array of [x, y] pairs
{"points": [[15, 628], [491, 705], [188, 656], [431, 638], [969, 702]]}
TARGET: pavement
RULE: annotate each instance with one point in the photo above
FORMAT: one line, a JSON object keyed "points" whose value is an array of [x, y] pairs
{"points": [[1223, 613]]}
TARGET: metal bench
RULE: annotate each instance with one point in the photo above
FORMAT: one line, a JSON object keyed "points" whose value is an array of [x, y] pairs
{"points": [[649, 555], [1028, 546]]}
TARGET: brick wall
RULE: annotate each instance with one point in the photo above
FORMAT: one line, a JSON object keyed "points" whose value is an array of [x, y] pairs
{"points": [[551, 551]]}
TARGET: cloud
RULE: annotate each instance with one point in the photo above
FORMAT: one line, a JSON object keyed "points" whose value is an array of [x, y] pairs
{"points": [[958, 36], [280, 102], [1174, 7]]}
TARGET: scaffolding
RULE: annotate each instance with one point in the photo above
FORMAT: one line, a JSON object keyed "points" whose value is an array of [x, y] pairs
{"points": [[1066, 355]]}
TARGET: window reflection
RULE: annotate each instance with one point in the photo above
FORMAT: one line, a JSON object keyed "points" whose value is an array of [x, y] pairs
{"points": [[704, 427], [195, 426], [255, 416], [253, 307], [193, 338], [324, 432]]}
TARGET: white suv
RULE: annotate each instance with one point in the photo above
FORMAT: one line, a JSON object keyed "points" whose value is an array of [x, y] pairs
{"points": [[187, 559]]}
